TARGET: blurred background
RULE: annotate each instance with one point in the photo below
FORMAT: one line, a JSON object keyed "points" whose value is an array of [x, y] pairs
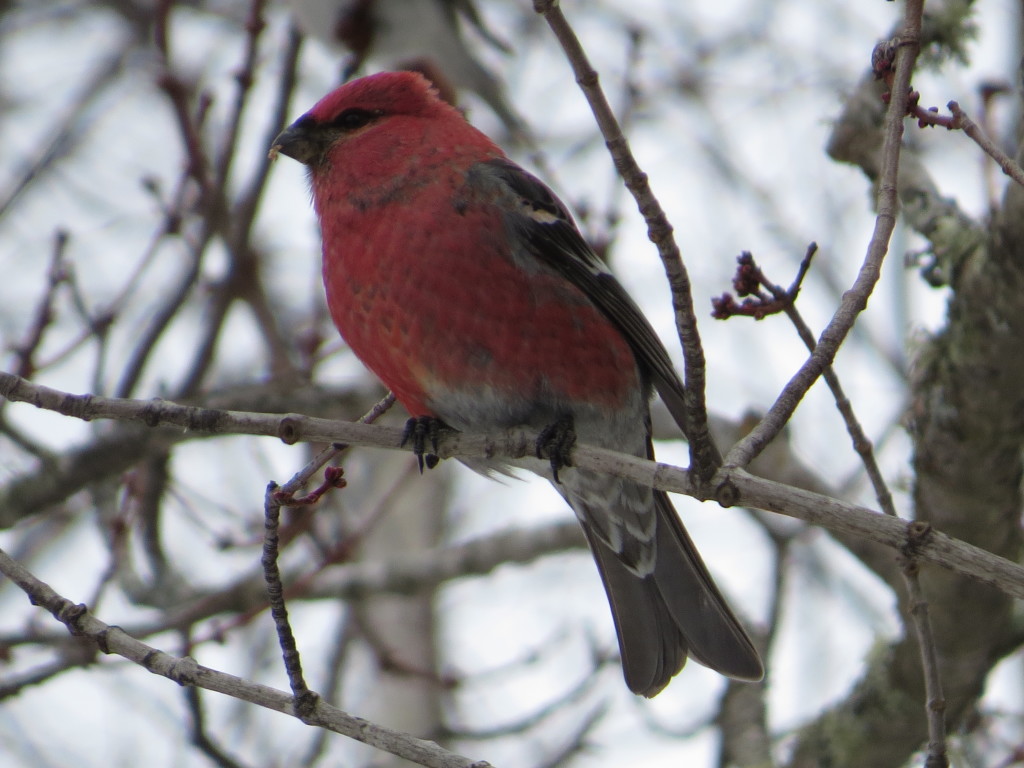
{"points": [[149, 249]]}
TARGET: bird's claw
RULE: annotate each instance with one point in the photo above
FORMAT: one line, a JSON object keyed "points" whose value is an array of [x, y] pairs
{"points": [[555, 443], [419, 430]]}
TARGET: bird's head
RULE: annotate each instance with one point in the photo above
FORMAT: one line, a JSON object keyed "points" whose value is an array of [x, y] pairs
{"points": [[381, 104]]}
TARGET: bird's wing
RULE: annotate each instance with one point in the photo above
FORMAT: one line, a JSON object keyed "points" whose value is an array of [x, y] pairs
{"points": [[542, 222]]}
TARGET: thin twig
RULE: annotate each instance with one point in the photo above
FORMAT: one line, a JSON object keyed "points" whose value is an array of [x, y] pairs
{"points": [[254, 26], [210, 204], [25, 352], [524, 724], [1008, 165], [861, 443], [75, 656], [304, 475], [243, 281], [918, 605], [331, 685], [935, 704], [276, 497], [173, 215], [244, 211], [704, 456], [854, 301], [199, 733], [305, 699], [179, 95], [956, 120], [934, 700], [578, 740]]}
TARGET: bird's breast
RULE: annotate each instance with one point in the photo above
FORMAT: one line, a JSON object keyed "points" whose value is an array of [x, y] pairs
{"points": [[429, 297]]}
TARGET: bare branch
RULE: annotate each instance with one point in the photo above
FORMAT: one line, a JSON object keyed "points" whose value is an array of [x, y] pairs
{"points": [[704, 455], [1006, 163], [855, 300], [732, 486], [186, 671]]}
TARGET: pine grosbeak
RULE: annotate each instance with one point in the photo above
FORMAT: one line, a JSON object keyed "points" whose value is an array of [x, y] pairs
{"points": [[463, 283]]}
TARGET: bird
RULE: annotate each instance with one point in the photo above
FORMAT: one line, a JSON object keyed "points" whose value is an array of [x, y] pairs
{"points": [[462, 282]]}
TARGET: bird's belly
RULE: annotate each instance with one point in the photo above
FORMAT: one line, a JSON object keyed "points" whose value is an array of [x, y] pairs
{"points": [[455, 327]]}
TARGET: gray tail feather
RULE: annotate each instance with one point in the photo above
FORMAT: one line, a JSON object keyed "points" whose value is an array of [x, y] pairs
{"points": [[674, 612]]}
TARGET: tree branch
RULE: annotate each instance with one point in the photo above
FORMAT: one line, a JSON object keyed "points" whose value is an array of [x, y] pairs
{"points": [[704, 455], [732, 486], [186, 671]]}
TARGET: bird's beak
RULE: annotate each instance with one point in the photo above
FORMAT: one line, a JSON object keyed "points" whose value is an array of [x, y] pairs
{"points": [[299, 141]]}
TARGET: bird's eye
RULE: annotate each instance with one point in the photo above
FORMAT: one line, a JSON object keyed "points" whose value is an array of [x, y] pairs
{"points": [[354, 118]]}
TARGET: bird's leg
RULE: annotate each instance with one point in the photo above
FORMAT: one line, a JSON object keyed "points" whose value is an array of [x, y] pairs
{"points": [[555, 443], [420, 429]]}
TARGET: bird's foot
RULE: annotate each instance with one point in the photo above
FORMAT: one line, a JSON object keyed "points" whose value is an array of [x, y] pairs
{"points": [[420, 430], [556, 442]]}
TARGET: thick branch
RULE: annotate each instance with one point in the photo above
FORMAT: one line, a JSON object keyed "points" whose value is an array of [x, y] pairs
{"points": [[732, 486]]}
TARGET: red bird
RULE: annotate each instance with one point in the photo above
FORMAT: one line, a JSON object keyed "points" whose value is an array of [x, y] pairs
{"points": [[463, 283]]}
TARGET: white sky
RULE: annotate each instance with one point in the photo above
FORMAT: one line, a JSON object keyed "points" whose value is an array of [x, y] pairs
{"points": [[768, 108]]}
